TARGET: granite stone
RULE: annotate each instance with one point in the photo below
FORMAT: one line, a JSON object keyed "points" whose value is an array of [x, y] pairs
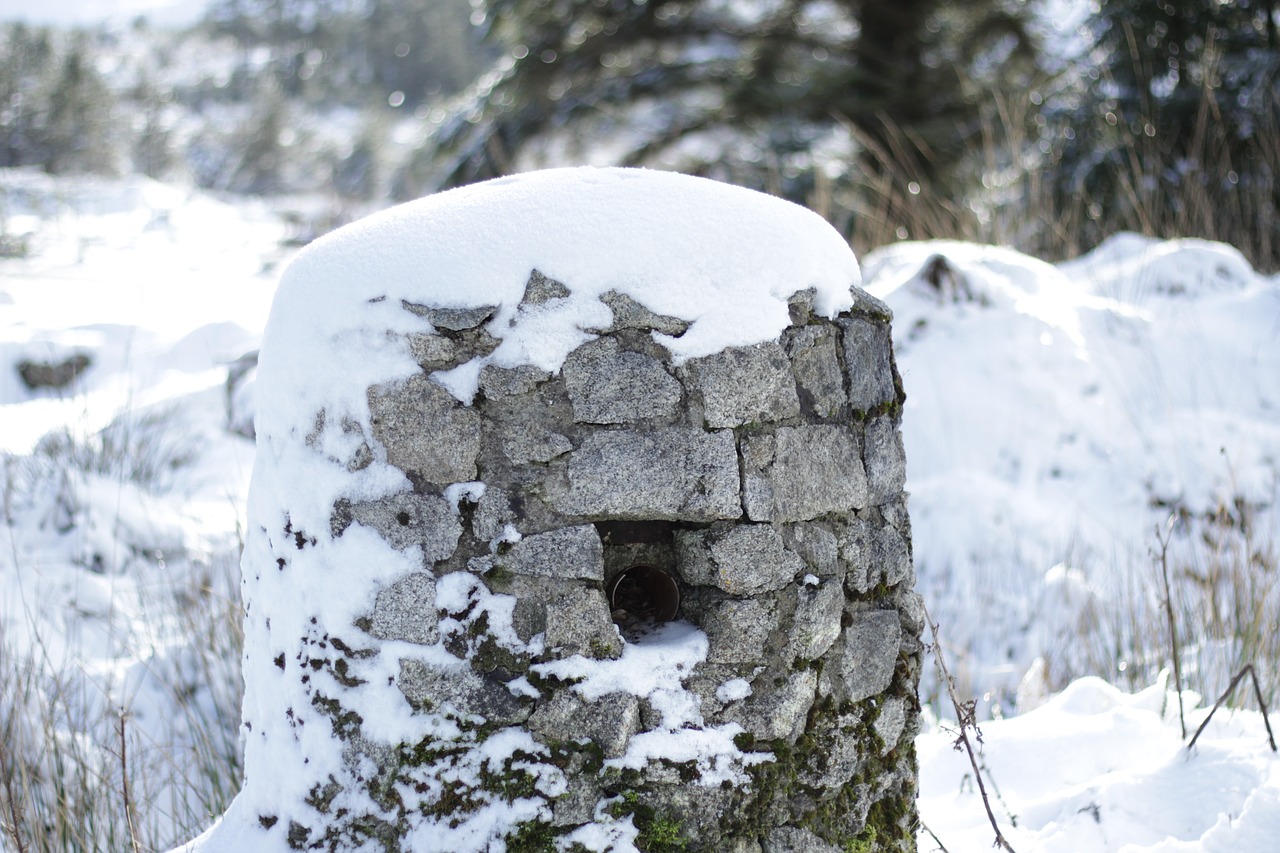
{"points": [[612, 386], [406, 610], [739, 559], [425, 431], [885, 460], [406, 520], [779, 713], [670, 473], [609, 722], [792, 839], [563, 554], [868, 363], [579, 623], [815, 361], [870, 653], [739, 629], [816, 625], [740, 385], [800, 473], [430, 688], [629, 314]]}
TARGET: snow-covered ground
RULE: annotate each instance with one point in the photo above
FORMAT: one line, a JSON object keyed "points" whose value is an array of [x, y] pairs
{"points": [[1056, 417]]}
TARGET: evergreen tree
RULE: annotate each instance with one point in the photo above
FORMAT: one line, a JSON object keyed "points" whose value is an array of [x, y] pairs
{"points": [[153, 153], [77, 132], [1180, 130], [356, 52], [780, 95], [27, 58], [260, 168]]}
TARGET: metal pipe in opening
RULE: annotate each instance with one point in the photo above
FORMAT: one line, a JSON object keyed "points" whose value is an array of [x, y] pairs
{"points": [[644, 593]]}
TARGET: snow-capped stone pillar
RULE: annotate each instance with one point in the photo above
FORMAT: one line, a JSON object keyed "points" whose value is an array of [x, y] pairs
{"points": [[578, 523]]}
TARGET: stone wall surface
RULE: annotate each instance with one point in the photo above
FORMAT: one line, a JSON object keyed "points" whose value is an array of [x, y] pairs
{"points": [[752, 478], [635, 600]]}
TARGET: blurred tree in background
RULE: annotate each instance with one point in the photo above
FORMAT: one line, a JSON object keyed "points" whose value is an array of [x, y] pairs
{"points": [[1174, 125], [354, 52], [975, 119], [56, 111], [798, 97]]}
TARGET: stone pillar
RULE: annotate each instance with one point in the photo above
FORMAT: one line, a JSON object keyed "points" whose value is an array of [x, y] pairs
{"points": [[622, 586]]}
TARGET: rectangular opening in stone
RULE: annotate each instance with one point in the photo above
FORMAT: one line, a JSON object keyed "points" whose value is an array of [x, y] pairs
{"points": [[635, 532]]}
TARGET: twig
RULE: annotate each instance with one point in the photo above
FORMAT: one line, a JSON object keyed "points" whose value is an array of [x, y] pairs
{"points": [[1257, 692], [965, 717], [1164, 540], [942, 848], [124, 777], [15, 819], [991, 777]]}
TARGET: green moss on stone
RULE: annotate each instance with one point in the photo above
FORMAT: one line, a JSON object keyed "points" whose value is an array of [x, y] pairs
{"points": [[656, 833], [532, 837]]}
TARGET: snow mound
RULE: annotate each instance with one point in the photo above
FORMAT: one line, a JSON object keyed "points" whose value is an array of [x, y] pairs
{"points": [[720, 257], [945, 271], [1099, 769], [1057, 414], [1130, 266]]}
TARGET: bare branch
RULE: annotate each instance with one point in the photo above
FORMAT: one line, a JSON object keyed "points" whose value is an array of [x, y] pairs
{"points": [[1257, 692], [966, 719]]}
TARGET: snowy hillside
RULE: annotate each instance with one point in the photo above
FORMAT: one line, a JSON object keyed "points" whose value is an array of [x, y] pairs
{"points": [[1056, 418]]}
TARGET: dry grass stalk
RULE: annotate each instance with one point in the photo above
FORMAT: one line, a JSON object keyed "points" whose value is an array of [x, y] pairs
{"points": [[965, 720]]}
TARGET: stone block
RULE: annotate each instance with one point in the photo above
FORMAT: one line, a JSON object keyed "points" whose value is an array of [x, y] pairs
{"points": [[432, 352], [911, 607], [666, 474], [871, 306], [874, 554], [611, 386], [429, 688], [739, 629], [816, 625], [870, 653], [577, 805], [885, 460], [523, 443], [890, 723], [564, 554], [426, 432], [779, 713], [739, 559], [717, 685], [406, 610], [840, 754], [800, 473], [541, 288], [498, 382], [579, 623], [741, 845], [867, 353], [816, 363], [816, 545], [492, 515], [629, 314], [697, 811], [405, 520], [740, 385], [609, 722], [452, 319], [793, 839]]}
